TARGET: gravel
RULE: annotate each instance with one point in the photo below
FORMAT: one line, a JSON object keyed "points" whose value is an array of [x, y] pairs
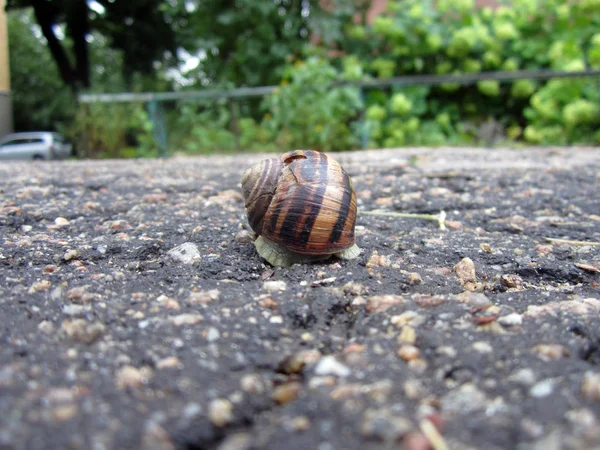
{"points": [[135, 312]]}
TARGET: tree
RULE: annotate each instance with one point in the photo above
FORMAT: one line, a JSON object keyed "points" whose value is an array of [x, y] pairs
{"points": [[245, 42], [40, 99], [138, 28]]}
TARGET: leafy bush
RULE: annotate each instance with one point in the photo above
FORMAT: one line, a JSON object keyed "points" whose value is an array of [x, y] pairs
{"points": [[309, 111], [112, 131], [415, 36]]}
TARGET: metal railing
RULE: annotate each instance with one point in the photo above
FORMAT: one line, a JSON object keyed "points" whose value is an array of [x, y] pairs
{"points": [[153, 99]]}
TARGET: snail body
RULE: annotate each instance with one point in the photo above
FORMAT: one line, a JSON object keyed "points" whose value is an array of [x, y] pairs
{"points": [[302, 206]]}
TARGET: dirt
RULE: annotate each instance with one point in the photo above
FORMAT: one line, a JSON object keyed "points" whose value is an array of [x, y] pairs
{"points": [[485, 334]]}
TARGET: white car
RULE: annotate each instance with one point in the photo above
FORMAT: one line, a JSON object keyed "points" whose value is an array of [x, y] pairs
{"points": [[35, 145]]}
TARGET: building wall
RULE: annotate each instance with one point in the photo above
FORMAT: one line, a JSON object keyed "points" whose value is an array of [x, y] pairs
{"points": [[6, 122]]}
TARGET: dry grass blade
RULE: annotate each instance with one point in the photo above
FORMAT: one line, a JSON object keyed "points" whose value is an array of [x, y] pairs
{"points": [[439, 218], [569, 242]]}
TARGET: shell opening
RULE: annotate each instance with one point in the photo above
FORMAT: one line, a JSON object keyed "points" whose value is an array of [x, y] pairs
{"points": [[292, 158]]}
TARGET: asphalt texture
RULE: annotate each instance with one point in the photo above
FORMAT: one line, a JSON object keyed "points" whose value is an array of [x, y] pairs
{"points": [[483, 335]]}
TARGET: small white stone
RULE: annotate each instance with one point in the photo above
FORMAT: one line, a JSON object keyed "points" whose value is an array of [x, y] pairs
{"points": [[482, 347], [511, 319], [61, 222], [524, 377], [543, 388], [212, 334], [186, 253], [220, 412], [70, 254], [273, 286], [328, 365]]}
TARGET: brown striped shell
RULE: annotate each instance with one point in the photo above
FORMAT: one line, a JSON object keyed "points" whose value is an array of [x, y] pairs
{"points": [[302, 201]]}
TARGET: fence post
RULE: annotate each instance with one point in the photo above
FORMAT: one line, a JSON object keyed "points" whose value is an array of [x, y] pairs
{"points": [[235, 121], [159, 127], [363, 128]]}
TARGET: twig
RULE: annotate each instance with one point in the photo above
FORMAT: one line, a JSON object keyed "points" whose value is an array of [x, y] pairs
{"points": [[569, 242], [439, 218], [433, 435]]}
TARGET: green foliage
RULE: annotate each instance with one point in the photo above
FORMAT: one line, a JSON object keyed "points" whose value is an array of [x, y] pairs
{"points": [[414, 36], [247, 42], [40, 100], [452, 37], [121, 130], [309, 111]]}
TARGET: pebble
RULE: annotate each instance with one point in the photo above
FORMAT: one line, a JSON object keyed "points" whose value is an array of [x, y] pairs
{"points": [[169, 362], [155, 437], [550, 352], [414, 278], [252, 384], [203, 297], [542, 388], [543, 249], [79, 294], [381, 303], [485, 247], [413, 389], [70, 254], [212, 334], [295, 363], [355, 289], [132, 377], [61, 222], [581, 306], [430, 301], [274, 286], [384, 425], [237, 441], [463, 400], [412, 318], [524, 377], [510, 320], [38, 286], [328, 365], [591, 386], [377, 260], [266, 301], [46, 327], [168, 302], [186, 253], [186, 319], [407, 335], [465, 271], [408, 352], [156, 197], [473, 299], [244, 237], [298, 423], [286, 393], [80, 330], [220, 412], [63, 413], [482, 347], [511, 281]]}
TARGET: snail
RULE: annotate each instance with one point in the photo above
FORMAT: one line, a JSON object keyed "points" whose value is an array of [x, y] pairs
{"points": [[302, 206]]}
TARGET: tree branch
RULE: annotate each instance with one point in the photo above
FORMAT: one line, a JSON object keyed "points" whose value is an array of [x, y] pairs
{"points": [[78, 28], [45, 16]]}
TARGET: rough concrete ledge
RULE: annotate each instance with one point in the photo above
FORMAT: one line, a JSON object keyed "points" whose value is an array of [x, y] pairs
{"points": [[485, 335]]}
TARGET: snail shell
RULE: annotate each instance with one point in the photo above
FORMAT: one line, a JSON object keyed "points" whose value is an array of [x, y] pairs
{"points": [[303, 202]]}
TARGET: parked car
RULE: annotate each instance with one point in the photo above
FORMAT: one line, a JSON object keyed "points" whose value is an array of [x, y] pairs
{"points": [[35, 145]]}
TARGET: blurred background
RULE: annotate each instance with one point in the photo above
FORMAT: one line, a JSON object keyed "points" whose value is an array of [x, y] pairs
{"points": [[217, 76]]}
